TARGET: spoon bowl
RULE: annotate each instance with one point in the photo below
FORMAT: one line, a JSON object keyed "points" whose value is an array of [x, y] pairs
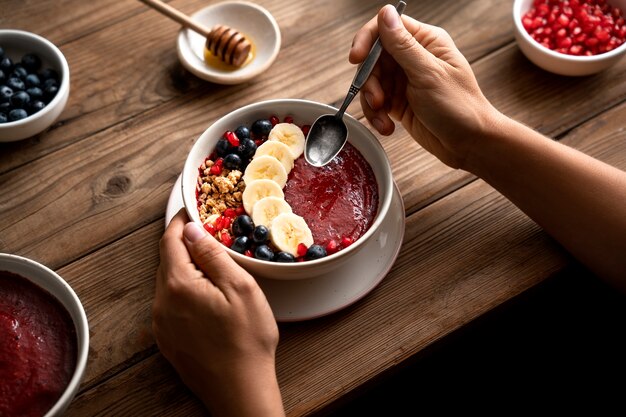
{"points": [[328, 136]]}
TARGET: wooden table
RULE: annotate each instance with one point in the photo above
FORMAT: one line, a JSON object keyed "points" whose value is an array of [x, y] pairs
{"points": [[88, 196]]}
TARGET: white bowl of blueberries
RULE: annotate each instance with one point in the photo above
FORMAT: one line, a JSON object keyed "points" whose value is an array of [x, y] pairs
{"points": [[34, 84]]}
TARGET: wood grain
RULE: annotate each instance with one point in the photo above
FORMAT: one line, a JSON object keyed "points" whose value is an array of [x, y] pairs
{"points": [[462, 255], [87, 197], [120, 71]]}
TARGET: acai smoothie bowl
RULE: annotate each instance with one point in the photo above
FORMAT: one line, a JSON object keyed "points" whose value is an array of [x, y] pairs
{"points": [[247, 182]]}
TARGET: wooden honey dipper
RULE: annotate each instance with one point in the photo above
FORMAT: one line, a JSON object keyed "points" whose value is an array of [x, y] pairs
{"points": [[222, 41]]}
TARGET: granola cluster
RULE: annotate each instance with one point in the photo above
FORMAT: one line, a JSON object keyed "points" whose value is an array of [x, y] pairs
{"points": [[217, 192]]}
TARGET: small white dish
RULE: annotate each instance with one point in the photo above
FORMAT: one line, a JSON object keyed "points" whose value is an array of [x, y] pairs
{"points": [[305, 299], [16, 43], [252, 20], [556, 62]]}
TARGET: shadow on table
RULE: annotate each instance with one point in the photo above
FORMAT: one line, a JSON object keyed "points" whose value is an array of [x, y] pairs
{"points": [[559, 346]]}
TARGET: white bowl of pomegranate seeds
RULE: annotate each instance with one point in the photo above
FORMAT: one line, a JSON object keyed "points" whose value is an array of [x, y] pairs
{"points": [[315, 219], [34, 84], [571, 37]]}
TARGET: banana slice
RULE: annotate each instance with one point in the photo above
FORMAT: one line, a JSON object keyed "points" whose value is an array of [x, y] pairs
{"points": [[257, 190], [267, 209], [288, 230], [265, 167], [291, 135], [279, 151]]}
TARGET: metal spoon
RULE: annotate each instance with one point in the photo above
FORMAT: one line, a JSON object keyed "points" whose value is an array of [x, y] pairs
{"points": [[328, 134]]}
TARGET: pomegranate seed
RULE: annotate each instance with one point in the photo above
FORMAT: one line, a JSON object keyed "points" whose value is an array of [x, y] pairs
{"points": [[219, 162], [274, 120], [230, 213], [240, 210], [288, 119], [346, 241], [226, 239], [305, 129], [231, 138], [302, 249], [576, 49], [331, 247], [209, 228], [258, 142], [249, 253], [215, 170]]}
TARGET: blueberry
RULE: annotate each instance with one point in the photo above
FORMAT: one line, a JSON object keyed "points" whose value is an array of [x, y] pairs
{"points": [[246, 148], [264, 253], [223, 147], [260, 234], [261, 127], [32, 80], [284, 257], [241, 244], [49, 73], [232, 161], [20, 99], [17, 114], [3, 118], [5, 93], [243, 225], [16, 84], [50, 92], [314, 252], [19, 72], [242, 132], [6, 65], [2, 77], [31, 62], [5, 107], [35, 106], [50, 82], [35, 93]]}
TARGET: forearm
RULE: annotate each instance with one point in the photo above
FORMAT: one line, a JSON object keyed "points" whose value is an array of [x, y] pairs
{"points": [[246, 392], [577, 199]]}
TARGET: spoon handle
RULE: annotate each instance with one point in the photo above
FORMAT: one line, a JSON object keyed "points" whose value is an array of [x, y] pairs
{"points": [[365, 69], [177, 16]]}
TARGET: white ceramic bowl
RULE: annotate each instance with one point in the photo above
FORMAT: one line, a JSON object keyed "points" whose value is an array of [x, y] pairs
{"points": [[17, 43], [303, 112], [250, 19], [557, 62], [50, 281]]}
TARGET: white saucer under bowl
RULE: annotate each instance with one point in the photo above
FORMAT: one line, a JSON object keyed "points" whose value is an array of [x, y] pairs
{"points": [[252, 20], [297, 300]]}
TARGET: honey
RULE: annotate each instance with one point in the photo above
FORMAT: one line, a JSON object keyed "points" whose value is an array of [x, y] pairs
{"points": [[215, 62]]}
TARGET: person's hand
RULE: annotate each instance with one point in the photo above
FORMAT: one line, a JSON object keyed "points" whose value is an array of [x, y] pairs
{"points": [[422, 80], [213, 323]]}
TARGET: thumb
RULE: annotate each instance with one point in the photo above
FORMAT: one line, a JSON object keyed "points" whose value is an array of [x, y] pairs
{"points": [[210, 257], [400, 43]]}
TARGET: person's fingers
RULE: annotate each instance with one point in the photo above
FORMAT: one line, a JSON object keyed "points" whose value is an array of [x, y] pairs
{"points": [[173, 253], [373, 93], [378, 118], [209, 255], [363, 41], [401, 44]]}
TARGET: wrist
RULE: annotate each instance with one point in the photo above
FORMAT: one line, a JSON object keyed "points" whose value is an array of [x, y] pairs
{"points": [[245, 390], [489, 144]]}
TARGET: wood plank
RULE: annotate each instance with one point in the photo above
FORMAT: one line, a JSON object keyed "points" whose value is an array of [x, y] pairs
{"points": [[108, 87], [462, 256], [121, 177]]}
